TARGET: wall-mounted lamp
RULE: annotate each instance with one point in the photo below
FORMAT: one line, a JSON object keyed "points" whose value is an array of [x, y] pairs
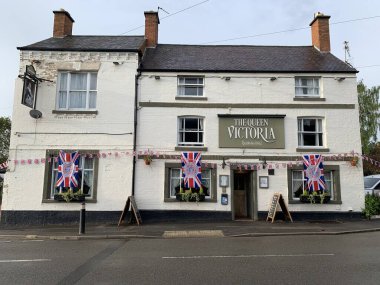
{"points": [[227, 78], [117, 62], [157, 77], [340, 79], [224, 163], [265, 164], [273, 78]]}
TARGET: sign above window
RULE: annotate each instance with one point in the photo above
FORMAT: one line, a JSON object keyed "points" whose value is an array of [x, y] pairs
{"points": [[251, 131]]}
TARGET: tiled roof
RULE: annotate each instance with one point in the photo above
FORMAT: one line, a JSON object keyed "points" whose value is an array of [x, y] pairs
{"points": [[234, 58], [89, 43]]}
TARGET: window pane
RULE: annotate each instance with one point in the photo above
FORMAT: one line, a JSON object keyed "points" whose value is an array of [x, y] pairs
{"points": [[62, 100], [200, 137], [77, 99], [92, 103], [191, 91], [88, 179], [309, 140], [191, 124], [63, 82], [309, 125], [88, 163], [78, 81], [93, 81], [320, 137], [191, 80], [191, 137]]}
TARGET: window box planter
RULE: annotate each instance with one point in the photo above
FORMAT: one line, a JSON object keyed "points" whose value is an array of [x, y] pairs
{"points": [[190, 197], [64, 197], [315, 199]]}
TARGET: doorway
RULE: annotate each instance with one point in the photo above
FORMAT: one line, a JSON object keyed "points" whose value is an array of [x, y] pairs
{"points": [[243, 195]]}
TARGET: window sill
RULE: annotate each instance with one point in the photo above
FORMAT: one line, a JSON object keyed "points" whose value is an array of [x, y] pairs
{"points": [[85, 112], [200, 148], [171, 200], [299, 202], [55, 201], [316, 149], [308, 98], [197, 98]]}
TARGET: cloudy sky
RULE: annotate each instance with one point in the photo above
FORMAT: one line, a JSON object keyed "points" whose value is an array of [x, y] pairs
{"points": [[211, 22]]}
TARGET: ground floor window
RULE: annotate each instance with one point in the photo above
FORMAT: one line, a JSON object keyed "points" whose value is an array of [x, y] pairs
{"points": [[297, 182], [87, 174], [173, 180]]}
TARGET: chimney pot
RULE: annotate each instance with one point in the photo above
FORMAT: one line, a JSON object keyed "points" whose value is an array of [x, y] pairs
{"points": [[63, 24], [151, 28], [320, 32]]}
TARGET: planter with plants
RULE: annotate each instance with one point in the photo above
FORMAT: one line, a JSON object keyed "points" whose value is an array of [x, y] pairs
{"points": [[190, 194], [70, 196], [315, 197], [147, 159], [354, 161]]}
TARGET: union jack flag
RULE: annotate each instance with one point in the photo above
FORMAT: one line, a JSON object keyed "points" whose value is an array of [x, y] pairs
{"points": [[313, 169], [68, 167], [191, 169]]}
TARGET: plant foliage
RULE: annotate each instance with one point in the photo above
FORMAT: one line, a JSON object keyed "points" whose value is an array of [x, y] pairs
{"points": [[372, 206]]}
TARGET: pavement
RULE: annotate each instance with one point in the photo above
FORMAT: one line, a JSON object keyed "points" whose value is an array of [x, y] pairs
{"points": [[190, 229]]}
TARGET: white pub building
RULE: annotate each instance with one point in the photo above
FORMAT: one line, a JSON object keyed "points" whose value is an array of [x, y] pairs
{"points": [[132, 106]]}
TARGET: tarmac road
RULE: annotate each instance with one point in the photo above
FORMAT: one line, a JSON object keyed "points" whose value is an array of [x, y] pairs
{"points": [[340, 259]]}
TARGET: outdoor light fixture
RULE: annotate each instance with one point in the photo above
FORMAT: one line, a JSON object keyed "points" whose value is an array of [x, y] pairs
{"points": [[273, 78], [265, 164], [224, 163], [340, 78], [227, 78], [157, 77], [117, 62]]}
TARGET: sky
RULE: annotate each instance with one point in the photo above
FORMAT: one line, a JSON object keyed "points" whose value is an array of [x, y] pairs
{"points": [[204, 22]]}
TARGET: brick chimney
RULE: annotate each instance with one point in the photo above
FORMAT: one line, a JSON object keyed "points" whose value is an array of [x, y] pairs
{"points": [[151, 28], [320, 32], [63, 24]]}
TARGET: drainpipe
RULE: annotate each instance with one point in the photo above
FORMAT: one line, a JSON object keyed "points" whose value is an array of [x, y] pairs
{"points": [[137, 76]]}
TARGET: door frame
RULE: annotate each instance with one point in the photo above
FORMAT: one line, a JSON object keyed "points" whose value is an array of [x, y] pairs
{"points": [[253, 191]]}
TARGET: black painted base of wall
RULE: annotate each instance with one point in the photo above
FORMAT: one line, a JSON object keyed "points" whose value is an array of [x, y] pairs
{"points": [[151, 216]]}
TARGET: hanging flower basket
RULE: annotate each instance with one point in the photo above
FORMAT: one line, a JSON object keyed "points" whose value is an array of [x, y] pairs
{"points": [[147, 159]]}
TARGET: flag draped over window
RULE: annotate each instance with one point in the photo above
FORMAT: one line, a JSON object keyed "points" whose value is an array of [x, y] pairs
{"points": [[191, 169], [313, 169], [68, 167]]}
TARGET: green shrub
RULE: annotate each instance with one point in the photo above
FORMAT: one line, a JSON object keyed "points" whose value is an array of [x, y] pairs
{"points": [[372, 206]]}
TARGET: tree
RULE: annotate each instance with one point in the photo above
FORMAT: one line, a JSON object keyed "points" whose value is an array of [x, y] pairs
{"points": [[368, 115], [5, 135]]}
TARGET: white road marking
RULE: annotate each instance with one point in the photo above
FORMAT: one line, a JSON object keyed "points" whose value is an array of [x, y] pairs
{"points": [[248, 256], [32, 240], [23, 260], [4, 241]]}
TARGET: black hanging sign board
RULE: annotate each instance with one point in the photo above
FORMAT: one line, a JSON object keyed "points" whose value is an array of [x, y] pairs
{"points": [[276, 200], [135, 214]]}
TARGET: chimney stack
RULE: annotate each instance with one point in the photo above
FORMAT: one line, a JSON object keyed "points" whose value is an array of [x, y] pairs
{"points": [[320, 32], [63, 24], [151, 28]]}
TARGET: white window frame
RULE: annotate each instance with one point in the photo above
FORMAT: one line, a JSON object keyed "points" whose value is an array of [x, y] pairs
{"points": [[315, 87], [88, 90], [181, 86], [329, 182], [319, 131], [180, 132], [54, 174], [204, 170]]}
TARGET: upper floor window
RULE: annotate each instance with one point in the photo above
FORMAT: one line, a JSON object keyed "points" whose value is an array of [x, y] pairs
{"points": [[77, 90], [190, 131], [310, 132], [190, 86], [307, 86]]}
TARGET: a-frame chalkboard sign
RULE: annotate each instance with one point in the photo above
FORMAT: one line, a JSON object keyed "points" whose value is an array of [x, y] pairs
{"points": [[276, 200], [135, 214]]}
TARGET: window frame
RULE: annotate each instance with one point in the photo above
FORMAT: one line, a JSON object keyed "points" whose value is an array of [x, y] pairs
{"points": [[167, 183], [321, 132], [48, 177], [317, 87], [183, 86], [68, 90], [181, 132], [333, 169]]}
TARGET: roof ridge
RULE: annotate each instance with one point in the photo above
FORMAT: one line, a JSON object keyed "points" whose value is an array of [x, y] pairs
{"points": [[200, 45]]}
